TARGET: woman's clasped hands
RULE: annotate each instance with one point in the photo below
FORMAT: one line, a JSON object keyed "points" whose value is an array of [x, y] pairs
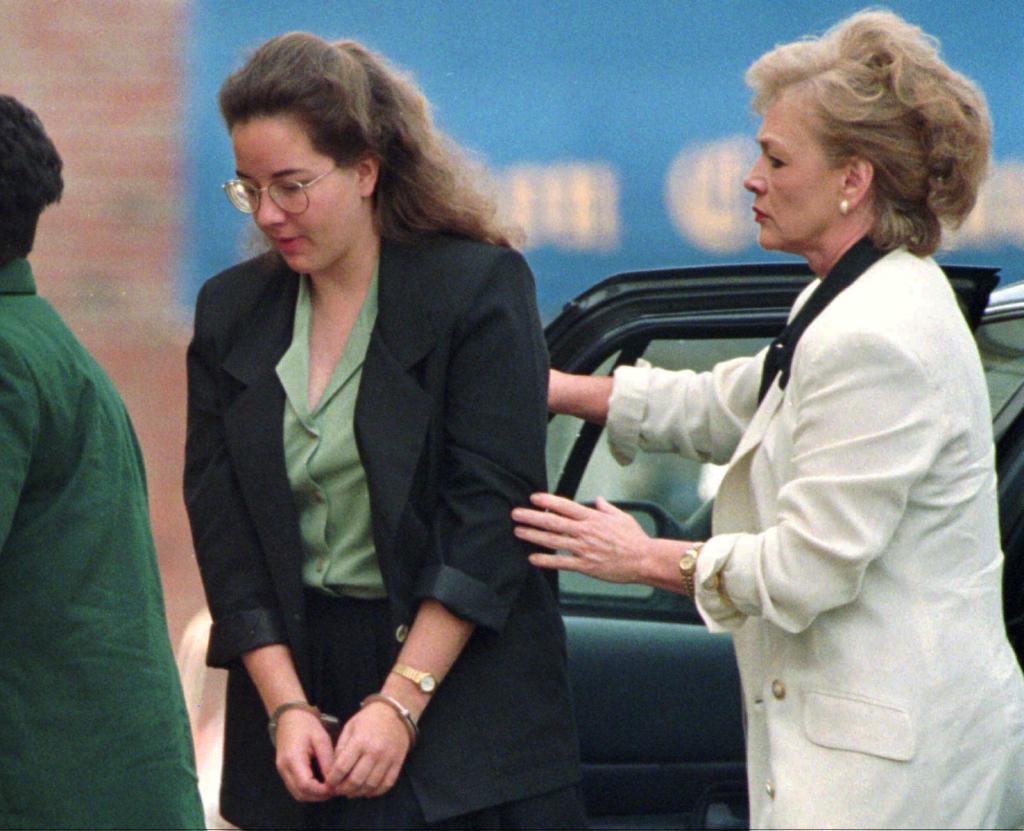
{"points": [[365, 762]]}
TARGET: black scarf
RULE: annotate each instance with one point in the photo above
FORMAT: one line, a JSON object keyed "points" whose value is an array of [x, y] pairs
{"points": [[780, 354]]}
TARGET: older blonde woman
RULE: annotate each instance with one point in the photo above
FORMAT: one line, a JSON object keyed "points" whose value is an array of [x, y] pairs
{"points": [[855, 554]]}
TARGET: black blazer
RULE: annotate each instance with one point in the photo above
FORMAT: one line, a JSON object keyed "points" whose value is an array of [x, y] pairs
{"points": [[450, 422]]}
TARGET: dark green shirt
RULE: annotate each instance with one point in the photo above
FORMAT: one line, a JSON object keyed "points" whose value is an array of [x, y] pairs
{"points": [[93, 729]]}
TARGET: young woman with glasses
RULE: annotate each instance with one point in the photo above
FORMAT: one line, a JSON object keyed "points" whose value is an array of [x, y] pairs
{"points": [[366, 404]]}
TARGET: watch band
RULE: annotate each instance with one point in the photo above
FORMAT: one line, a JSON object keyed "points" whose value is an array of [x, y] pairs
{"points": [[688, 568], [424, 680]]}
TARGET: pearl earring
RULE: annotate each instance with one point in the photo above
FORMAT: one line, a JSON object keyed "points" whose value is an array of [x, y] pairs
{"points": [[844, 207]]}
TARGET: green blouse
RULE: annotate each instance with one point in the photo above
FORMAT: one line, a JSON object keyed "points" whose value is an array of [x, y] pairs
{"points": [[324, 469]]}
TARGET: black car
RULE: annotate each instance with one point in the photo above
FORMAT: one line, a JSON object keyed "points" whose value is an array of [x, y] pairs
{"points": [[657, 694]]}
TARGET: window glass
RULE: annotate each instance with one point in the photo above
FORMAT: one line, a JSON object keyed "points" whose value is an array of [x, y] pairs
{"points": [[1001, 344], [676, 485], [563, 431]]}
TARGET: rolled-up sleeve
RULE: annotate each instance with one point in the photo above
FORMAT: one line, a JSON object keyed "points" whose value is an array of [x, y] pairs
{"points": [[495, 427], [698, 415]]}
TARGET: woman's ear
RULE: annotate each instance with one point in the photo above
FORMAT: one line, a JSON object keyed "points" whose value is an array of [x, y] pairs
{"points": [[857, 178], [367, 169]]}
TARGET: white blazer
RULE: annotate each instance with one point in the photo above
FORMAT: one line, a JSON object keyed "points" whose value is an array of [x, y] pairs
{"points": [[857, 534]]}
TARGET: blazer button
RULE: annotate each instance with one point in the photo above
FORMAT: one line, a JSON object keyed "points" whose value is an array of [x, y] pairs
{"points": [[778, 689], [401, 633], [769, 789]]}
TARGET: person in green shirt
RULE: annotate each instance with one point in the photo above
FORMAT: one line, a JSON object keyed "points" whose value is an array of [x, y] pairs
{"points": [[93, 727]]}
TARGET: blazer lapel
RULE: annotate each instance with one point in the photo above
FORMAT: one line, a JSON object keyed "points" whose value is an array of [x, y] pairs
{"points": [[268, 333], [404, 322], [393, 409], [253, 422], [759, 423], [734, 510]]}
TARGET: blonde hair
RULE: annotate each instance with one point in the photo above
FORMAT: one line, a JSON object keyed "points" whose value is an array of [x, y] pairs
{"points": [[352, 102], [882, 93]]}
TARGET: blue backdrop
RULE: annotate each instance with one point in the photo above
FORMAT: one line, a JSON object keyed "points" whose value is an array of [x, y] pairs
{"points": [[618, 132]]}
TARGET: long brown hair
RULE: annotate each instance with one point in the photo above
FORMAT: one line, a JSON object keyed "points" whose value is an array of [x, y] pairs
{"points": [[353, 102]]}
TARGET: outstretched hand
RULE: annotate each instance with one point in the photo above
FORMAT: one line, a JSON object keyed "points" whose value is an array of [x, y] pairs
{"points": [[604, 542]]}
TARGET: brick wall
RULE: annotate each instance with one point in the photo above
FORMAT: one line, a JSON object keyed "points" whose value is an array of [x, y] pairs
{"points": [[105, 76]]}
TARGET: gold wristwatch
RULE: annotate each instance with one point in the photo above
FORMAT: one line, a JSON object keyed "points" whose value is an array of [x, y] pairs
{"points": [[424, 680], [688, 568]]}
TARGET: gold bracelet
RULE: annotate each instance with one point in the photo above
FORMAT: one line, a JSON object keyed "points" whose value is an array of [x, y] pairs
{"points": [[718, 584], [398, 707]]}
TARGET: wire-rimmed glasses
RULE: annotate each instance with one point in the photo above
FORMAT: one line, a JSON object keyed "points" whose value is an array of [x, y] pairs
{"points": [[290, 197]]}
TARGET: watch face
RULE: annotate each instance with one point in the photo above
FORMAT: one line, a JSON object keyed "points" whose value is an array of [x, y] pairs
{"points": [[427, 683], [687, 562]]}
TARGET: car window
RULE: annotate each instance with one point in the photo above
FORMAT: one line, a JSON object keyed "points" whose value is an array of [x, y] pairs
{"points": [[563, 430], [1001, 344], [653, 483]]}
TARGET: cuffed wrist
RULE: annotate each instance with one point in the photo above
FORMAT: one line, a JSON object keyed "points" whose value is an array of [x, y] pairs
{"points": [[400, 709], [329, 723]]}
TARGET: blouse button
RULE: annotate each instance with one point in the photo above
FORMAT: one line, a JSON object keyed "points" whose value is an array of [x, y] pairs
{"points": [[778, 689], [401, 633], [769, 789]]}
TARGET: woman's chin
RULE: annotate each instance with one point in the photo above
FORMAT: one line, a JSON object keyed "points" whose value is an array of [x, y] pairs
{"points": [[296, 262], [771, 242], [768, 241]]}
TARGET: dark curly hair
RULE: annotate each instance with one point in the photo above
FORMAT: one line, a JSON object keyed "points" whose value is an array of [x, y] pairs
{"points": [[30, 177]]}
